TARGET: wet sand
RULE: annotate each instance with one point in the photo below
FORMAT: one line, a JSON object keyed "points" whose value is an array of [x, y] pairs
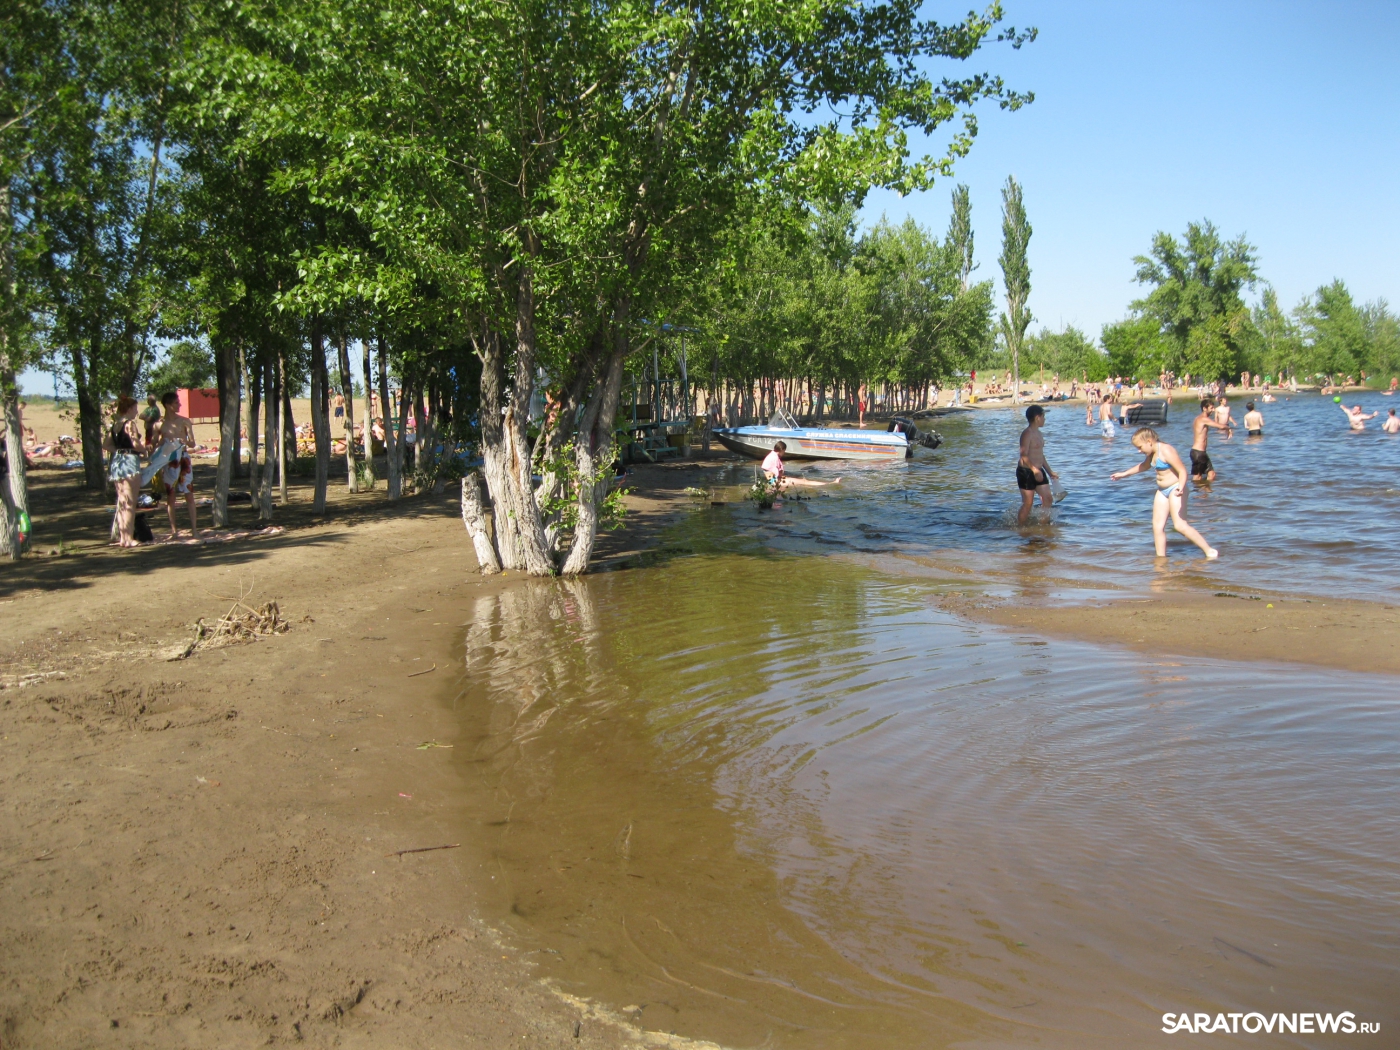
{"points": [[195, 851], [1349, 636]]}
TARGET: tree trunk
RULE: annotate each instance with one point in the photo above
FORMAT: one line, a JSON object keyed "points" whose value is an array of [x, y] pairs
{"points": [[286, 427], [593, 452], [390, 438], [253, 384], [89, 423], [369, 409], [347, 390], [271, 442], [475, 521], [505, 446], [17, 488], [230, 407], [423, 443], [320, 415], [9, 533]]}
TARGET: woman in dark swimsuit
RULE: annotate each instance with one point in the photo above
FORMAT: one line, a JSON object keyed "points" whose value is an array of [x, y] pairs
{"points": [[124, 470]]}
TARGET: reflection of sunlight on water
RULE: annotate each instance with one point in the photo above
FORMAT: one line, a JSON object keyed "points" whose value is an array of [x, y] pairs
{"points": [[785, 801]]}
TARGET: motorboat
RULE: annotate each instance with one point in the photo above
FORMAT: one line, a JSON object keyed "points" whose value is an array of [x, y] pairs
{"points": [[897, 441]]}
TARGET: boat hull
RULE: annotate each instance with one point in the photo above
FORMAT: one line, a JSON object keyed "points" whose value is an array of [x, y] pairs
{"points": [[814, 443]]}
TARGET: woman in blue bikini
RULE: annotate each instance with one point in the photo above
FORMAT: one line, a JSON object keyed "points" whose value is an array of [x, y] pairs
{"points": [[1171, 486]]}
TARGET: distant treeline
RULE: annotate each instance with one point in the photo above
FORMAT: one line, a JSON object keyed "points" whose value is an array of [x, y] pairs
{"points": [[1194, 321]]}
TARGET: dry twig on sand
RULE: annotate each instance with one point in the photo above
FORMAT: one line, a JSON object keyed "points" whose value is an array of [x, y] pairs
{"points": [[242, 623]]}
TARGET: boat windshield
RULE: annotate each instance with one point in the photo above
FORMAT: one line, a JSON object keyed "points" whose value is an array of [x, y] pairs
{"points": [[782, 421]]}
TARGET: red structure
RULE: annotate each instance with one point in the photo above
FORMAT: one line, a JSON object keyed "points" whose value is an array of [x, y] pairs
{"points": [[201, 406]]}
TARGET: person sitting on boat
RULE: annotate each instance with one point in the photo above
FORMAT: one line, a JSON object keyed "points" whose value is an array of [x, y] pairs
{"points": [[776, 472]]}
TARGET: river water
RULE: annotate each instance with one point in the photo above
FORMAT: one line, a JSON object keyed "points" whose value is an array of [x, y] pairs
{"points": [[767, 792]]}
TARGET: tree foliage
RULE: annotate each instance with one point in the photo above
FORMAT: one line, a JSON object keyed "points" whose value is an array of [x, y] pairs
{"points": [[1195, 299], [1015, 273], [488, 195]]}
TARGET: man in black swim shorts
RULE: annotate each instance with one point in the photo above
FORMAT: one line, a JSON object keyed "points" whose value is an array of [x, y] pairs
{"points": [[1202, 469], [1033, 473]]}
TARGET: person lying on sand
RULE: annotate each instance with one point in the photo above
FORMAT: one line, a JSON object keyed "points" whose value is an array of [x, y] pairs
{"points": [[775, 471]]}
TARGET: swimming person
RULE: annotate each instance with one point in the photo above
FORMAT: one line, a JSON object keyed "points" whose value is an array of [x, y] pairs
{"points": [[1201, 466], [1392, 423], [1253, 420], [1355, 418], [776, 472], [1171, 490], [1033, 474]]}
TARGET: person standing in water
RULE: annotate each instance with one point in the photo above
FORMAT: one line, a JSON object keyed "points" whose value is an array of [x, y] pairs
{"points": [[776, 472], [1253, 420], [1355, 417], [1033, 474], [1392, 423], [1171, 490], [1106, 416], [1202, 469]]}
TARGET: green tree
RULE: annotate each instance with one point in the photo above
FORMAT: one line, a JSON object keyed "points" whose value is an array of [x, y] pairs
{"points": [[1280, 348], [1195, 299], [1334, 331], [187, 365], [1382, 339], [1015, 275], [1136, 347], [545, 179], [1069, 353], [959, 241]]}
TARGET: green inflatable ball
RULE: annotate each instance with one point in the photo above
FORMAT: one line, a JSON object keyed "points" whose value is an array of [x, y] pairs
{"points": [[1338, 399]]}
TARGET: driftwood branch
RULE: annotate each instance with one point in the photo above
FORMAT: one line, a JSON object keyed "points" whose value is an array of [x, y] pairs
{"points": [[421, 849]]}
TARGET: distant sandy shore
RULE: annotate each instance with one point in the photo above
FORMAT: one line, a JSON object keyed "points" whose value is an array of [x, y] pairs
{"points": [[1323, 632]]}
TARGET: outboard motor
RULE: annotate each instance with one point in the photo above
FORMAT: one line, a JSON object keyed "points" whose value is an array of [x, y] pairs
{"points": [[924, 438]]}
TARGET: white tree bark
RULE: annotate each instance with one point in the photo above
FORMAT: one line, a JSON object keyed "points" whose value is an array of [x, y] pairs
{"points": [[474, 518]]}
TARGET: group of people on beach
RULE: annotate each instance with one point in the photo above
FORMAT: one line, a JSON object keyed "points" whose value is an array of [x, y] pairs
{"points": [[166, 442]]}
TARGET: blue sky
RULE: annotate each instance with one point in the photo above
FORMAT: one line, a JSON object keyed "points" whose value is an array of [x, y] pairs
{"points": [[1280, 121], [1276, 120]]}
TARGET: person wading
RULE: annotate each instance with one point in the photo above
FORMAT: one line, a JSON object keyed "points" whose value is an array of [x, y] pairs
{"points": [[1202, 469], [1033, 474], [1171, 490]]}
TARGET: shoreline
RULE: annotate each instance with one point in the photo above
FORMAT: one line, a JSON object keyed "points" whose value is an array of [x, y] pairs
{"points": [[196, 850]]}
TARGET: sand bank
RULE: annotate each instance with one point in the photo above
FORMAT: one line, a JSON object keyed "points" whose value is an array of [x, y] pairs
{"points": [[1345, 635]]}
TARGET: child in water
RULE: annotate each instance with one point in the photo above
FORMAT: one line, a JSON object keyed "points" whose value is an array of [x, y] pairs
{"points": [[1253, 420]]}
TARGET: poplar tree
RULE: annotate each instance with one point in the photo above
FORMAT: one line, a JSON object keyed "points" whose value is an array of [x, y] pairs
{"points": [[959, 240], [1015, 275]]}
